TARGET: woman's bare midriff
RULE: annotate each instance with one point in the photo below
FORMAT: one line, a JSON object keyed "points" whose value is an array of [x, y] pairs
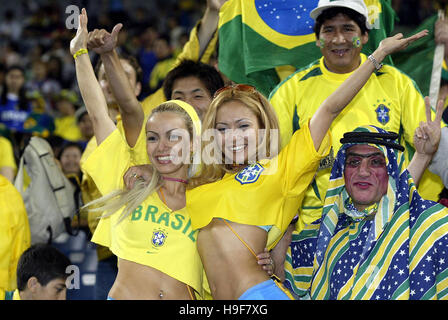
{"points": [[230, 267], [138, 282]]}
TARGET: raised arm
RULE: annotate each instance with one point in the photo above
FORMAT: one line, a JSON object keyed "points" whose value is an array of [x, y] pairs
{"points": [[209, 23], [426, 141], [104, 43], [91, 92], [339, 99], [441, 33]]}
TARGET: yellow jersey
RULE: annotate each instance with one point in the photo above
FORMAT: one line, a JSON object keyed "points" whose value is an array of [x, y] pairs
{"points": [[15, 236], [7, 154], [267, 193], [389, 100], [153, 235]]}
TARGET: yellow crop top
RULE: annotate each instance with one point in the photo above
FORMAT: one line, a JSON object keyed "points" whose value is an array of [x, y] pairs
{"points": [[267, 193]]}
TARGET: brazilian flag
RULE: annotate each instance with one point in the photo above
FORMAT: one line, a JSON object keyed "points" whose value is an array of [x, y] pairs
{"points": [[258, 36]]}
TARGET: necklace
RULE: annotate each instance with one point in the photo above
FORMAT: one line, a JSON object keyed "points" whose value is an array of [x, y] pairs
{"points": [[175, 179]]}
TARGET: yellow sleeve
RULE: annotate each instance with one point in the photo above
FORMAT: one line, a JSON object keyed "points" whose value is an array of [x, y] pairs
{"points": [[298, 161], [108, 163], [15, 235], [190, 50], [138, 153], [7, 155], [282, 99]]}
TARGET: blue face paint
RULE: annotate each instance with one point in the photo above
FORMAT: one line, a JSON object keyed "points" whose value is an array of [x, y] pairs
{"points": [[356, 42]]}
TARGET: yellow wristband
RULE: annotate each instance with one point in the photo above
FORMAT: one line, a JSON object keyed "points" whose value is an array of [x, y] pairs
{"points": [[80, 52]]}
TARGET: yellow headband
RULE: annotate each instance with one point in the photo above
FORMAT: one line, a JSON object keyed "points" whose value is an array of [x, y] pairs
{"points": [[197, 131], [197, 125]]}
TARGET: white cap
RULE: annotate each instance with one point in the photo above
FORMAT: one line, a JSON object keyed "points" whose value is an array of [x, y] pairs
{"points": [[356, 5]]}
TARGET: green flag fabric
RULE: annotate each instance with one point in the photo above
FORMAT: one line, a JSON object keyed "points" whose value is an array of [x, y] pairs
{"points": [[416, 61]]}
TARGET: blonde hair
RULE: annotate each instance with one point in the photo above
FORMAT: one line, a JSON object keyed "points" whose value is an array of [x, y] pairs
{"points": [[131, 199], [214, 169]]}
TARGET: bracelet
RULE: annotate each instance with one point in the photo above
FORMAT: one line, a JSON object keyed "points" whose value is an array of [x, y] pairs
{"points": [[80, 52], [377, 65]]}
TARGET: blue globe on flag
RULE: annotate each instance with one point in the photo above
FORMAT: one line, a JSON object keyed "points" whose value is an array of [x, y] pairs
{"points": [[288, 17]]}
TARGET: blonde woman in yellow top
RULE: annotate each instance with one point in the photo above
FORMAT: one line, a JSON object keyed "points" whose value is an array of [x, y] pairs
{"points": [[245, 198], [147, 228]]}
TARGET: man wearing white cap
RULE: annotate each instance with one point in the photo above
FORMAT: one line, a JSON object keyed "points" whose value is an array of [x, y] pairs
{"points": [[390, 100]]}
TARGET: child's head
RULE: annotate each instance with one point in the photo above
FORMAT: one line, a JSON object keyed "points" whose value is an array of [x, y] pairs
{"points": [[41, 273]]}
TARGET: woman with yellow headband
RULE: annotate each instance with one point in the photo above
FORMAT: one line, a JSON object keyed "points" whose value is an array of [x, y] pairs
{"points": [[148, 227]]}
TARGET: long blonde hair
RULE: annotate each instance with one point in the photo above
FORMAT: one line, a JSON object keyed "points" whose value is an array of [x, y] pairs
{"points": [[131, 199], [214, 169]]}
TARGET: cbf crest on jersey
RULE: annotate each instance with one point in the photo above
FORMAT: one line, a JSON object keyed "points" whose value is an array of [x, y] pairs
{"points": [[382, 114], [250, 174], [158, 238]]}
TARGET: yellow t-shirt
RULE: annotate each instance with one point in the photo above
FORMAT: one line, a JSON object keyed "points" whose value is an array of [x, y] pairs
{"points": [[7, 154], [153, 235], [267, 193], [389, 100], [67, 128], [15, 236]]}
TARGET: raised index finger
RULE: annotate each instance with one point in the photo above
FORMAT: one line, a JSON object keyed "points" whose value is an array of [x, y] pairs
{"points": [[83, 19], [439, 111]]}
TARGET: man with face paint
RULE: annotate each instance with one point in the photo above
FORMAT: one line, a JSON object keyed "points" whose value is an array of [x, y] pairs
{"points": [[390, 100]]}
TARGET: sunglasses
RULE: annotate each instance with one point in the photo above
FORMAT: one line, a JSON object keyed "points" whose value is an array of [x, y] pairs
{"points": [[238, 87]]}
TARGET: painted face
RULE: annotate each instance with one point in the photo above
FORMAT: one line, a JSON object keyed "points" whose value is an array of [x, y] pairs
{"points": [[193, 91], [70, 160], [130, 73], [237, 128], [336, 43], [365, 174], [168, 142], [54, 290]]}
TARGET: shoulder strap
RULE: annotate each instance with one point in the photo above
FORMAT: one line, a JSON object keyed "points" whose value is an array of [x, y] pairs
{"points": [[274, 277], [241, 239]]}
